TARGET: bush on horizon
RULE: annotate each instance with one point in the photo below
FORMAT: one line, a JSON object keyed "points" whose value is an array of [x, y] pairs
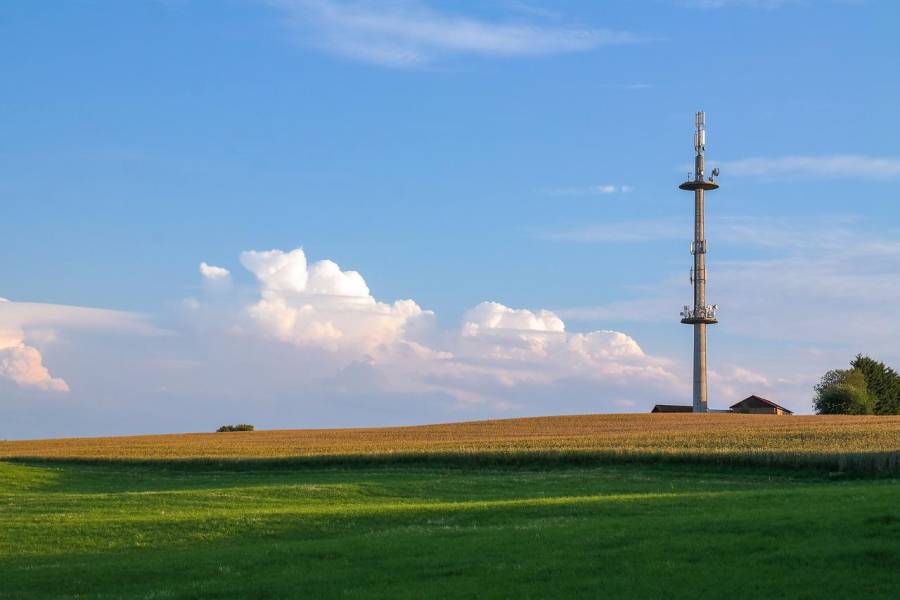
{"points": [[238, 427]]}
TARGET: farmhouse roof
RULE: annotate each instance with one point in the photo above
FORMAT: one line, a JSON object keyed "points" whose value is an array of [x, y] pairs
{"points": [[763, 400], [672, 408]]}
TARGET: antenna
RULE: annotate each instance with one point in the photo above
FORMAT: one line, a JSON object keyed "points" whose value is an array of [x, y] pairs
{"points": [[701, 314], [700, 134]]}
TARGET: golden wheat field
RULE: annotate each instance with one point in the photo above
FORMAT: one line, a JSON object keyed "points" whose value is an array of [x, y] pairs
{"points": [[830, 440]]}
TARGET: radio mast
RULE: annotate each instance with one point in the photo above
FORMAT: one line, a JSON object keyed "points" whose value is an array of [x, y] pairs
{"points": [[702, 314]]}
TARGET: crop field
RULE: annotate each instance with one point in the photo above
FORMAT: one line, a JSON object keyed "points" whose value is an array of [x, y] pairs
{"points": [[590, 506], [832, 442]]}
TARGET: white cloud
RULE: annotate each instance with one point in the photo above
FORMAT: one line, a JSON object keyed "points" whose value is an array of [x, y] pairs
{"points": [[35, 315], [851, 166], [25, 323], [605, 344], [496, 350], [23, 364], [517, 346], [743, 375], [309, 344], [278, 271], [494, 316], [409, 33], [214, 273], [320, 304]]}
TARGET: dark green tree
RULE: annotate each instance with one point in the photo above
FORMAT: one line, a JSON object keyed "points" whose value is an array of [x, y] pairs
{"points": [[239, 427], [882, 383], [832, 377], [843, 392]]}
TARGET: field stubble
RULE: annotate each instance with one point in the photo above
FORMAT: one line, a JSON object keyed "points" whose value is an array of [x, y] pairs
{"points": [[841, 443]]}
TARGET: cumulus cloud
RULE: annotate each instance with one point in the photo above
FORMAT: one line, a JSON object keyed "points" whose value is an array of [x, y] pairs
{"points": [[213, 273], [493, 316], [320, 304], [309, 342], [512, 358], [486, 361], [23, 364], [410, 33], [503, 336], [23, 324]]}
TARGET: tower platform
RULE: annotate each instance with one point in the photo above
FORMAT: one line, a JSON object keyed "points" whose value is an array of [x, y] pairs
{"points": [[698, 185], [695, 320]]}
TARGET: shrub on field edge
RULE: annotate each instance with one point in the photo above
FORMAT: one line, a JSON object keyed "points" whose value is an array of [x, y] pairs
{"points": [[239, 427]]}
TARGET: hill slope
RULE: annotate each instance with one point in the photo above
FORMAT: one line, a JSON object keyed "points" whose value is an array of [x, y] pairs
{"points": [[311, 513], [835, 441]]}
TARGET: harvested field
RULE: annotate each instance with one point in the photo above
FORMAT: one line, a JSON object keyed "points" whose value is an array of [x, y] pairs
{"points": [[834, 442]]}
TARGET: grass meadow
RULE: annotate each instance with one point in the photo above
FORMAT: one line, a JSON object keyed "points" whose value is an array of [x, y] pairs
{"points": [[523, 508]]}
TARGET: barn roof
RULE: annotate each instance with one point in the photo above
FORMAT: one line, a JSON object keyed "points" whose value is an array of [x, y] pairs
{"points": [[672, 408], [764, 401]]}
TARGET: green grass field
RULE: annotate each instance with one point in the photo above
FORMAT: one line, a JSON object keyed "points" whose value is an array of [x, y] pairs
{"points": [[274, 530]]}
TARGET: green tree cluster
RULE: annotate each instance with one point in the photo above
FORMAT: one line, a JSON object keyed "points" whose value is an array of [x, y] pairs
{"points": [[882, 382], [867, 387], [239, 427]]}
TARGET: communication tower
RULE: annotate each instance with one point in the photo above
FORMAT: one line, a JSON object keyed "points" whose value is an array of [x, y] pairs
{"points": [[701, 314]]}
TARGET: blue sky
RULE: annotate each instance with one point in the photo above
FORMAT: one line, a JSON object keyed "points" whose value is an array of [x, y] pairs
{"points": [[526, 154]]}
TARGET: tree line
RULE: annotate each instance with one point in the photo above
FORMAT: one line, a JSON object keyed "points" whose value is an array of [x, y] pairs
{"points": [[868, 387]]}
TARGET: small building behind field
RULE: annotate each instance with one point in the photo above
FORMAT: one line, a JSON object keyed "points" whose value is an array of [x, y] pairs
{"points": [[672, 408], [757, 405]]}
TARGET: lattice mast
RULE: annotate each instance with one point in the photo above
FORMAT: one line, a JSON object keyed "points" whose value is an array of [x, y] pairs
{"points": [[701, 314]]}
